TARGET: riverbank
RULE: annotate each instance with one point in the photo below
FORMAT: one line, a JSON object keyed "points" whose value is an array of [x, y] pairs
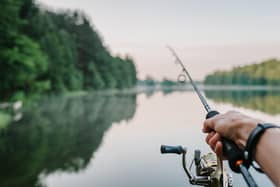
{"points": [[157, 88], [6, 117], [189, 87]]}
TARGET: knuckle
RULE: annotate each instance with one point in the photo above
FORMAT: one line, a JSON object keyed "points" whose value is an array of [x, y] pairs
{"points": [[206, 122], [231, 112]]}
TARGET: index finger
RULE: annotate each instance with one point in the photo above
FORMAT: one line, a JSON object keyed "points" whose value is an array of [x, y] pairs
{"points": [[208, 125]]}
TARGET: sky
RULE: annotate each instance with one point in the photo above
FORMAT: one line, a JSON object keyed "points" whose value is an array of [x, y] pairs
{"points": [[207, 34]]}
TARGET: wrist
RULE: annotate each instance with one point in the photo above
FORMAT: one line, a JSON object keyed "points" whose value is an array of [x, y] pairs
{"points": [[254, 139]]}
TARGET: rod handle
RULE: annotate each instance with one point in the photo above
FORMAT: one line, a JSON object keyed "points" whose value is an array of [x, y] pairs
{"points": [[230, 149], [233, 154], [164, 149]]}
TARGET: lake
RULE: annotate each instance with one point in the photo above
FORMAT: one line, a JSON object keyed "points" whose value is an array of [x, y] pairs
{"points": [[113, 140]]}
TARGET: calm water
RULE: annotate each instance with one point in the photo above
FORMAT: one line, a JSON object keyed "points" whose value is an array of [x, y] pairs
{"points": [[113, 140]]}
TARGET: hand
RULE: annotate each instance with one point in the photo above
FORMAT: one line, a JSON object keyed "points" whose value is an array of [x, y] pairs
{"points": [[232, 125]]}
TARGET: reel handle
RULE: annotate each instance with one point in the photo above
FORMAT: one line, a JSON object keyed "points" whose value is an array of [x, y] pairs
{"points": [[230, 149], [165, 149]]}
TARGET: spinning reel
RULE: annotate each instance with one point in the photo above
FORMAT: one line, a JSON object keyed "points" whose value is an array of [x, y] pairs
{"points": [[208, 171]]}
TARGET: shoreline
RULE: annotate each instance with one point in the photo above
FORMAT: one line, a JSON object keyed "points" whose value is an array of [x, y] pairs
{"points": [[210, 87]]}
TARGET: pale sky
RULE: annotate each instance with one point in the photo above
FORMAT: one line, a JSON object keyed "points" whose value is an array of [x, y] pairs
{"points": [[207, 34]]}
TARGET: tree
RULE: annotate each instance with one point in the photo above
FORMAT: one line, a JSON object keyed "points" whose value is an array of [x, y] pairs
{"points": [[43, 51], [264, 73]]}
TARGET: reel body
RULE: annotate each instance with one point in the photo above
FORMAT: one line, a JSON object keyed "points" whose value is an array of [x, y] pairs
{"points": [[208, 171]]}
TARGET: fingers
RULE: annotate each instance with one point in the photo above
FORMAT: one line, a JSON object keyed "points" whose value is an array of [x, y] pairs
{"points": [[219, 149], [213, 139], [209, 124], [218, 126], [209, 136]]}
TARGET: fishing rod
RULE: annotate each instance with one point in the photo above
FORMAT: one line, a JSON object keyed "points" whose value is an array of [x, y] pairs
{"points": [[234, 155]]}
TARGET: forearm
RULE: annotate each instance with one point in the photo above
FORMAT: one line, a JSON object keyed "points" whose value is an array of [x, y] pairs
{"points": [[268, 154]]}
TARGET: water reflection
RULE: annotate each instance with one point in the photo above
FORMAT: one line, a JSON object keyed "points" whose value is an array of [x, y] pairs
{"points": [[265, 101], [70, 142], [60, 134]]}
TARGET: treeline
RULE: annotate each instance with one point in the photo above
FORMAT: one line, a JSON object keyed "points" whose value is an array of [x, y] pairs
{"points": [[48, 51], [165, 82], [264, 73]]}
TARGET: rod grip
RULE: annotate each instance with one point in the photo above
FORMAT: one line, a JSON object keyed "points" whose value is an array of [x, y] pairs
{"points": [[164, 149], [233, 154], [230, 150]]}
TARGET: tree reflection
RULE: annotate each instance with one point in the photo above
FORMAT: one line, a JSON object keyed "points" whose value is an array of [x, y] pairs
{"points": [[265, 101], [60, 134]]}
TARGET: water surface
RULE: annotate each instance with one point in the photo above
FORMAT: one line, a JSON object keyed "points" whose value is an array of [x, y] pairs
{"points": [[113, 140]]}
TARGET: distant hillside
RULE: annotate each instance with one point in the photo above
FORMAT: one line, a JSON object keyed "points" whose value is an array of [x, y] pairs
{"points": [[264, 73]]}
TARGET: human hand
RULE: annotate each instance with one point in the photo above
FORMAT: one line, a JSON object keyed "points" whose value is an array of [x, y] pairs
{"points": [[232, 125]]}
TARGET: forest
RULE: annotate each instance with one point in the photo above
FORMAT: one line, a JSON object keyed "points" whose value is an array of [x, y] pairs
{"points": [[45, 51], [264, 73]]}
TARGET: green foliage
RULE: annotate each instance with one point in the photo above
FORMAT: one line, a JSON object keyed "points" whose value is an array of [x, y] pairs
{"points": [[149, 81], [5, 119], [167, 82], [43, 51], [21, 59], [9, 21], [265, 73], [21, 67]]}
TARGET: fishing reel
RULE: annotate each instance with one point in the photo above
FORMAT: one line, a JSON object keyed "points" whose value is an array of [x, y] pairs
{"points": [[208, 171]]}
